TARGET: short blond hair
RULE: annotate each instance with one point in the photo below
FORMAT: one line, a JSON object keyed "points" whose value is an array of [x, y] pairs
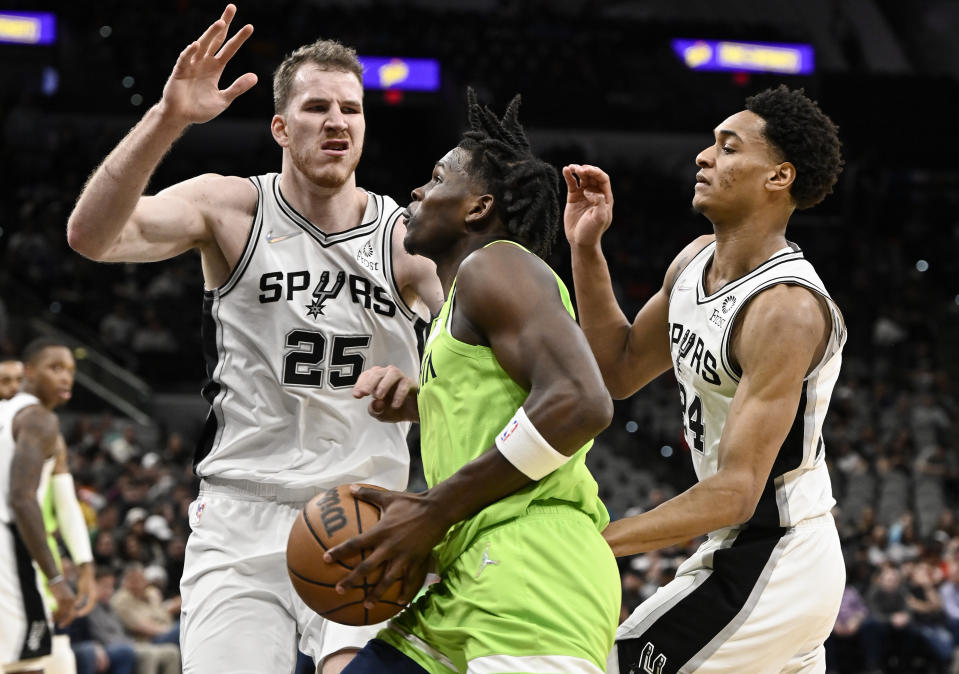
{"points": [[327, 54]]}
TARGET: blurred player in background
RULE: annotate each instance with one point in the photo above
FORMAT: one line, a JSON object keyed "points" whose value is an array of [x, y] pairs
{"points": [[509, 400], [306, 285], [31, 446], [11, 376], [755, 342]]}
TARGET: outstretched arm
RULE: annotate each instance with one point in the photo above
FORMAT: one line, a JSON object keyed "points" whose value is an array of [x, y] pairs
{"points": [[35, 432], [542, 349], [630, 355], [112, 221], [779, 340]]}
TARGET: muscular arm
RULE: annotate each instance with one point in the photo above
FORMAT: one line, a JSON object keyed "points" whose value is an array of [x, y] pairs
{"points": [[35, 431], [629, 355], [542, 349], [111, 220], [780, 338], [415, 275]]}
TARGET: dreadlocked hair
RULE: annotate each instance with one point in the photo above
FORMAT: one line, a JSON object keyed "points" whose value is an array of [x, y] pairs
{"points": [[525, 188]]}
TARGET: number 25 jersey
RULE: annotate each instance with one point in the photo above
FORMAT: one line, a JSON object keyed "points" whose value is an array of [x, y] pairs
{"points": [[701, 328], [286, 337]]}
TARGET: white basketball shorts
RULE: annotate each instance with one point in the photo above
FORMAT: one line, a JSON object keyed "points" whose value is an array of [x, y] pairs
{"points": [[25, 628], [749, 600], [240, 613]]}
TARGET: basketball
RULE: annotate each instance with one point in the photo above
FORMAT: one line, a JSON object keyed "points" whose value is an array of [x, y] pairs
{"points": [[328, 519]]}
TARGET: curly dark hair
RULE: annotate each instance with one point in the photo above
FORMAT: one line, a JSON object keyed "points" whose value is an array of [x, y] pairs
{"points": [[805, 136], [524, 187]]}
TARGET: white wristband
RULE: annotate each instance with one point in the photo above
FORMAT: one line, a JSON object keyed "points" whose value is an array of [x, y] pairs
{"points": [[526, 449], [73, 527]]}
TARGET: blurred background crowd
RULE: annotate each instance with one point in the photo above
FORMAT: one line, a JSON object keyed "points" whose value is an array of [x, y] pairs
{"points": [[600, 85]]}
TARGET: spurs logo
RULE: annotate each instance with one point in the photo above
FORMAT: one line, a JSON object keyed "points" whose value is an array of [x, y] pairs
{"points": [[321, 293], [486, 561], [37, 629], [649, 662]]}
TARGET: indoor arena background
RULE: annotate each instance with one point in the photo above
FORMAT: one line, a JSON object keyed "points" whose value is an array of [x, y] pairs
{"points": [[602, 83]]}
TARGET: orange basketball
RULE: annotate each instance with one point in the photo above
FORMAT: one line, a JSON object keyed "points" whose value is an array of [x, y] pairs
{"points": [[328, 519]]}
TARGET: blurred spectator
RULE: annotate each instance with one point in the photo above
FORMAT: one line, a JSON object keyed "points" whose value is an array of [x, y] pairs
{"points": [[889, 638], [102, 644], [844, 648], [142, 609]]}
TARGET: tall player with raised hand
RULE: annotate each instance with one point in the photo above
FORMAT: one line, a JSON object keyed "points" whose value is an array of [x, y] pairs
{"points": [[306, 284], [755, 342]]}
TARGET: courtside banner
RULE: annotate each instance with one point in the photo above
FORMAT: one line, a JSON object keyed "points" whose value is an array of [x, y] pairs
{"points": [[403, 74], [765, 57], [28, 27]]}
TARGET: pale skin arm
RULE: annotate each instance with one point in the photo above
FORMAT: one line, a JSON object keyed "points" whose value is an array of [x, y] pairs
{"points": [[112, 221], [629, 355], [415, 274], [86, 580], [781, 336], [35, 432]]}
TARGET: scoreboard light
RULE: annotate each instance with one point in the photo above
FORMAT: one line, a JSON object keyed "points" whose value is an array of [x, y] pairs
{"points": [[401, 74], [28, 27], [762, 57]]}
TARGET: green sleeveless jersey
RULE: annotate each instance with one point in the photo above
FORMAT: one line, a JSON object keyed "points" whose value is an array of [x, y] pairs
{"points": [[465, 398]]}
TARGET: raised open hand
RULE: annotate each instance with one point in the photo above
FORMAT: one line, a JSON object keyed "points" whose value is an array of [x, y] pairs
{"points": [[589, 204], [192, 94]]}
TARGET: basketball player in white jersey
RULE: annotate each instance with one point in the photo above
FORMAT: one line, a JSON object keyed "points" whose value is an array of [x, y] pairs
{"points": [[307, 284], [755, 343], [29, 435]]}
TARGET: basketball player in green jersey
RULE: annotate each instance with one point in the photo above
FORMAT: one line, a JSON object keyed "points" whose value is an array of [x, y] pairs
{"points": [[509, 399]]}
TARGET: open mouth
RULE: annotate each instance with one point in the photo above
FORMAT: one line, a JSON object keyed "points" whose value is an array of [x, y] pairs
{"points": [[336, 146]]}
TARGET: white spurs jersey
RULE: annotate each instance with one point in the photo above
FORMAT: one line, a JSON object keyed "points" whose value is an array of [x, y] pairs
{"points": [[8, 410], [700, 327], [285, 338]]}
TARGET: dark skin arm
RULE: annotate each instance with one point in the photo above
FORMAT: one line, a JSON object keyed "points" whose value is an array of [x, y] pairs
{"points": [[629, 354], [36, 431], [781, 337], [543, 350]]}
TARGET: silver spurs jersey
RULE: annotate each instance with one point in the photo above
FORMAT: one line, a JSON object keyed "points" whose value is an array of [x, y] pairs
{"points": [[285, 338], [8, 410], [700, 328]]}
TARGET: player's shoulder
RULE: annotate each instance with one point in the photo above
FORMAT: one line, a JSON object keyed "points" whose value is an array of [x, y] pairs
{"points": [[36, 419], [785, 308], [684, 257], [504, 269]]}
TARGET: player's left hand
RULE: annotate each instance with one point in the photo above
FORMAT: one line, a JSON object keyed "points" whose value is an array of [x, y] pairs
{"points": [[400, 543], [392, 394], [86, 585]]}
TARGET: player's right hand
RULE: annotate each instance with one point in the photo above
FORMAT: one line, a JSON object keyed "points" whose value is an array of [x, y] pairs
{"points": [[192, 94], [393, 394], [589, 204], [66, 603]]}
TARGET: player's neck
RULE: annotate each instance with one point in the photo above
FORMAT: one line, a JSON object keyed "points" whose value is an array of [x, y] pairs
{"points": [[740, 251], [331, 209], [28, 388]]}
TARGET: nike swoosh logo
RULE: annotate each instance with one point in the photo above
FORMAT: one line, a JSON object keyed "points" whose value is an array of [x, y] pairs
{"points": [[282, 237]]}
